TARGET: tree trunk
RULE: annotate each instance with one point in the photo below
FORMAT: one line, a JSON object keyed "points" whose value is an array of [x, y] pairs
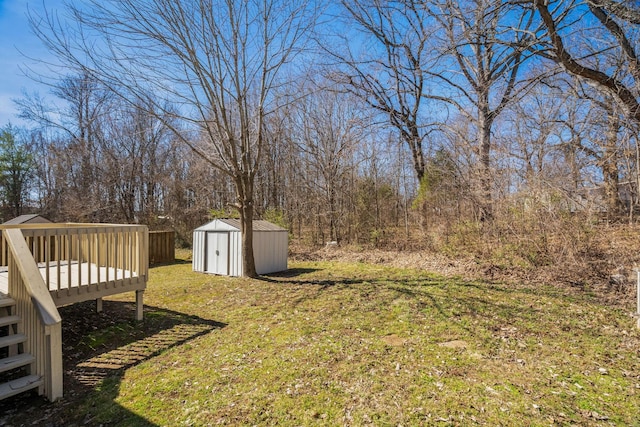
{"points": [[610, 169], [248, 261], [484, 139], [245, 200], [415, 144]]}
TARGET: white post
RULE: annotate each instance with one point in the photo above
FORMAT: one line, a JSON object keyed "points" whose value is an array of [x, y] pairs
{"points": [[638, 297]]}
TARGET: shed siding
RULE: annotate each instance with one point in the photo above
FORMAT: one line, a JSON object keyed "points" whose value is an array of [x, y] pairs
{"points": [[270, 251], [199, 251], [235, 253]]}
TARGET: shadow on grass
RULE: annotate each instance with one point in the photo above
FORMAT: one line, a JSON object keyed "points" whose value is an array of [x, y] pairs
{"points": [[322, 283], [292, 272], [452, 299], [459, 302], [284, 277], [97, 350], [176, 261]]}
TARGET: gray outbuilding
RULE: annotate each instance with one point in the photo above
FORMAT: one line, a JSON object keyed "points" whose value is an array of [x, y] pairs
{"points": [[217, 247], [28, 219]]}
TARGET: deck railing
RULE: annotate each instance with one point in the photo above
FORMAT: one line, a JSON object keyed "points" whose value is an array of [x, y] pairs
{"points": [[78, 259], [40, 320]]}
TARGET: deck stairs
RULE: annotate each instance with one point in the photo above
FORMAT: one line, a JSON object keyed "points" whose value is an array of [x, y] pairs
{"points": [[15, 363]]}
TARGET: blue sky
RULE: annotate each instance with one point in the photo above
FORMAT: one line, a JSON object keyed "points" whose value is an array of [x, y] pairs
{"points": [[16, 37]]}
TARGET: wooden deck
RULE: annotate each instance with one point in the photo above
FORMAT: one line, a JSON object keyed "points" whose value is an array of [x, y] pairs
{"points": [[71, 282], [45, 266], [79, 262]]}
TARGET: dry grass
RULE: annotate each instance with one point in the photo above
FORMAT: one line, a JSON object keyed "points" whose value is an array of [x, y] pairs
{"points": [[573, 253]]}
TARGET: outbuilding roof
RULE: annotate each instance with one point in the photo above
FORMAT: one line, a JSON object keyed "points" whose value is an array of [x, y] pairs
{"points": [[28, 219], [233, 224]]}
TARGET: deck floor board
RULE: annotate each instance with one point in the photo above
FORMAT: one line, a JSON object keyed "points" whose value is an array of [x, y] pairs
{"points": [[79, 275]]}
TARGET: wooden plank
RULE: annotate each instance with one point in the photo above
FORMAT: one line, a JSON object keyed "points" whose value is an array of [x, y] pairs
{"points": [[79, 259], [59, 253], [19, 385], [53, 371], [93, 292], [161, 246], [15, 362], [139, 305], [9, 320], [47, 259], [89, 256], [12, 340], [7, 302], [69, 257]]}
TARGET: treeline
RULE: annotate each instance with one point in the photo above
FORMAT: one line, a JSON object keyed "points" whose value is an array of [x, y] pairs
{"points": [[420, 122], [329, 171], [326, 173]]}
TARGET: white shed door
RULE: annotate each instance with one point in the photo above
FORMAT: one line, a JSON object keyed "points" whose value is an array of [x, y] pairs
{"points": [[218, 252]]}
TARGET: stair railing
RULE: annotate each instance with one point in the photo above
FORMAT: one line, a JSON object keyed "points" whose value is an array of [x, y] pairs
{"points": [[40, 319]]}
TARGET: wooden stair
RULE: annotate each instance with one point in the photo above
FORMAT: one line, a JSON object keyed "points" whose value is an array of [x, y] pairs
{"points": [[15, 364]]}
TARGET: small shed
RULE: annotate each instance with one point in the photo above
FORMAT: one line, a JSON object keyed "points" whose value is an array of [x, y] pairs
{"points": [[28, 219], [217, 247]]}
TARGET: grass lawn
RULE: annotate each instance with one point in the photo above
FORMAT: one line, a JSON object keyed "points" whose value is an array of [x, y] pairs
{"points": [[332, 343]]}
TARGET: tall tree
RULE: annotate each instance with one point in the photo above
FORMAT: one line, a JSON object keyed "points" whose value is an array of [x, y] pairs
{"points": [[390, 72], [596, 42], [217, 60], [328, 130], [16, 169], [485, 42]]}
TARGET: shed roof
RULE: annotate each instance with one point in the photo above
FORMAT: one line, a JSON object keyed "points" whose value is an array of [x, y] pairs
{"points": [[28, 219], [233, 224]]}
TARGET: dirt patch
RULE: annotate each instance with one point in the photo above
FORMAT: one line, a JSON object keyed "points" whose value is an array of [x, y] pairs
{"points": [[437, 263], [394, 341]]}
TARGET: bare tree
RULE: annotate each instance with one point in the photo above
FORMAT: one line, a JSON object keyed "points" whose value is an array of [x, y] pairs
{"points": [[610, 61], [329, 128], [77, 124], [486, 42], [218, 61], [100, 159], [596, 42], [391, 73], [465, 54], [135, 159]]}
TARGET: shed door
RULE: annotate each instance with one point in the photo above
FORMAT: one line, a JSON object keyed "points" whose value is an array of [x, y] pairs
{"points": [[217, 252]]}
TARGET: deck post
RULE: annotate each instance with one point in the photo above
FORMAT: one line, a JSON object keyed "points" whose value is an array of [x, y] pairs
{"points": [[98, 305], [53, 374], [139, 305]]}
